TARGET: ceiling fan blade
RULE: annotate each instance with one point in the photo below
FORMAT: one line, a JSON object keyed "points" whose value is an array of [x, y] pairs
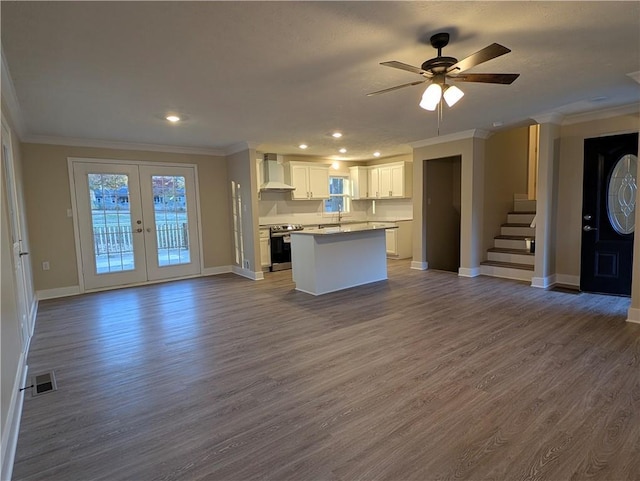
{"points": [[488, 78], [407, 67], [417, 82], [488, 53]]}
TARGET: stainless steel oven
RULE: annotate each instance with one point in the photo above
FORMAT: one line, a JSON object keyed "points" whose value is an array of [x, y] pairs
{"points": [[280, 237]]}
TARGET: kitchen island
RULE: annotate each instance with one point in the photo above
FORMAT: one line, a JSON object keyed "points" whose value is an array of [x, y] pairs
{"points": [[336, 258]]}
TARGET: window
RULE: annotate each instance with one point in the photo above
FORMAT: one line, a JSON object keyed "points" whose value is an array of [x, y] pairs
{"points": [[339, 200]]}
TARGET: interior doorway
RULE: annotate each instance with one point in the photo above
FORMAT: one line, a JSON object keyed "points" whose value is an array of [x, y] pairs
{"points": [[442, 212]]}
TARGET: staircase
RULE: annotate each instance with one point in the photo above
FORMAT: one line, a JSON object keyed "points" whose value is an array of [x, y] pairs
{"points": [[510, 256]]}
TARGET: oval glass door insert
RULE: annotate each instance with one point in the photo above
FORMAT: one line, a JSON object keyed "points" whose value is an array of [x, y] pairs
{"points": [[621, 194]]}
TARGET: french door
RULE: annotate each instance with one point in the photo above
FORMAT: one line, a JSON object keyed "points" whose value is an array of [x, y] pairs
{"points": [[136, 223]]}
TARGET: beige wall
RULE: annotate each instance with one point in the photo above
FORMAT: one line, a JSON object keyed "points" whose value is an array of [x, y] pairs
{"points": [[48, 196], [570, 172], [505, 175]]}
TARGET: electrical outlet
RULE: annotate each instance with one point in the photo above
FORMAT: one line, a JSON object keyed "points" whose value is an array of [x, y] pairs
{"points": [[45, 265], [246, 264]]}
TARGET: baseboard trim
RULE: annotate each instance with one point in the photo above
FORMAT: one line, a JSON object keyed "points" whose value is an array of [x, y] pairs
{"points": [[468, 271], [255, 276], [209, 271], [633, 315], [567, 280], [543, 282], [14, 415], [214, 271], [58, 292], [419, 265]]}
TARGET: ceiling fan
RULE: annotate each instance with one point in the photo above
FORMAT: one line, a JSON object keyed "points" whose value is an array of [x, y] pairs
{"points": [[440, 69]]}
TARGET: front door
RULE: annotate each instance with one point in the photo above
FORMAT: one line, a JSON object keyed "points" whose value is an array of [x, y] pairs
{"points": [[608, 213], [136, 223]]}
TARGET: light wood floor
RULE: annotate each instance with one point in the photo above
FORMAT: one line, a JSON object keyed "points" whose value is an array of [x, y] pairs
{"points": [[425, 376]]}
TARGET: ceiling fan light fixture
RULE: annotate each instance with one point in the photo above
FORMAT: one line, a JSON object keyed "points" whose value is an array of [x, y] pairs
{"points": [[452, 94], [431, 97]]}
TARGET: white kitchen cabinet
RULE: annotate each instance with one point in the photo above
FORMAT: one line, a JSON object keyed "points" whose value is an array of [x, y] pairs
{"points": [[388, 181], [311, 181], [399, 241], [374, 182], [391, 237], [265, 249], [359, 182], [401, 176]]}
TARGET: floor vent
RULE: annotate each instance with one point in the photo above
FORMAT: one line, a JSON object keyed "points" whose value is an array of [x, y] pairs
{"points": [[43, 383]]}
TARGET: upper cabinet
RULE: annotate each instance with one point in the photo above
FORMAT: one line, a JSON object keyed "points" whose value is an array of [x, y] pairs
{"points": [[359, 176], [311, 181], [388, 181]]}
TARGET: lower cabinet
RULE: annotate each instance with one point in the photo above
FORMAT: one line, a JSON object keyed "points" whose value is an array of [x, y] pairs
{"points": [[399, 240], [265, 249]]}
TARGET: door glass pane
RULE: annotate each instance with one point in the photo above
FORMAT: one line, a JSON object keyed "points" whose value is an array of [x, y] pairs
{"points": [[111, 222], [171, 219], [621, 194]]}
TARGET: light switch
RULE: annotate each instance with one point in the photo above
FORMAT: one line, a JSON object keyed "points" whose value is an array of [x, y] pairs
{"points": [[45, 265]]}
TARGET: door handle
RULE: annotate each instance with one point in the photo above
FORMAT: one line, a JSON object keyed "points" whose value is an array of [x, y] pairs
{"points": [[587, 217], [588, 228], [148, 229], [23, 254], [139, 229]]}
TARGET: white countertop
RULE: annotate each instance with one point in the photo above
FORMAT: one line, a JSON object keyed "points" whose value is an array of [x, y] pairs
{"points": [[348, 228]]}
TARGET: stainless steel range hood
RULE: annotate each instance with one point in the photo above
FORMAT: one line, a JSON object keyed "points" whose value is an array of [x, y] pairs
{"points": [[273, 175]]}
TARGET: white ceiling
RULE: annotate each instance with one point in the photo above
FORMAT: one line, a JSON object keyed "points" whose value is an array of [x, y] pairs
{"points": [[275, 74]]}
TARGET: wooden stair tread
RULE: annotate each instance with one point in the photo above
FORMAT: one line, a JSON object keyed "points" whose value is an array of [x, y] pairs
{"points": [[516, 225], [508, 265], [505, 250], [515, 237], [526, 212]]}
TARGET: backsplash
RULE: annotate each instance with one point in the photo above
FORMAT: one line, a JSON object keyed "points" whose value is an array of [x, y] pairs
{"points": [[274, 208], [390, 209]]}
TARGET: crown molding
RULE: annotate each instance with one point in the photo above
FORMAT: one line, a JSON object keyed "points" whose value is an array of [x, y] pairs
{"points": [[629, 109], [548, 118], [11, 99], [466, 134], [108, 144], [240, 147]]}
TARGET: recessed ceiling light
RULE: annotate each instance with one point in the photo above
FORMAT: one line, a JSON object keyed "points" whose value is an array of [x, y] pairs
{"points": [[336, 135], [173, 118], [343, 150], [303, 146], [376, 154]]}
